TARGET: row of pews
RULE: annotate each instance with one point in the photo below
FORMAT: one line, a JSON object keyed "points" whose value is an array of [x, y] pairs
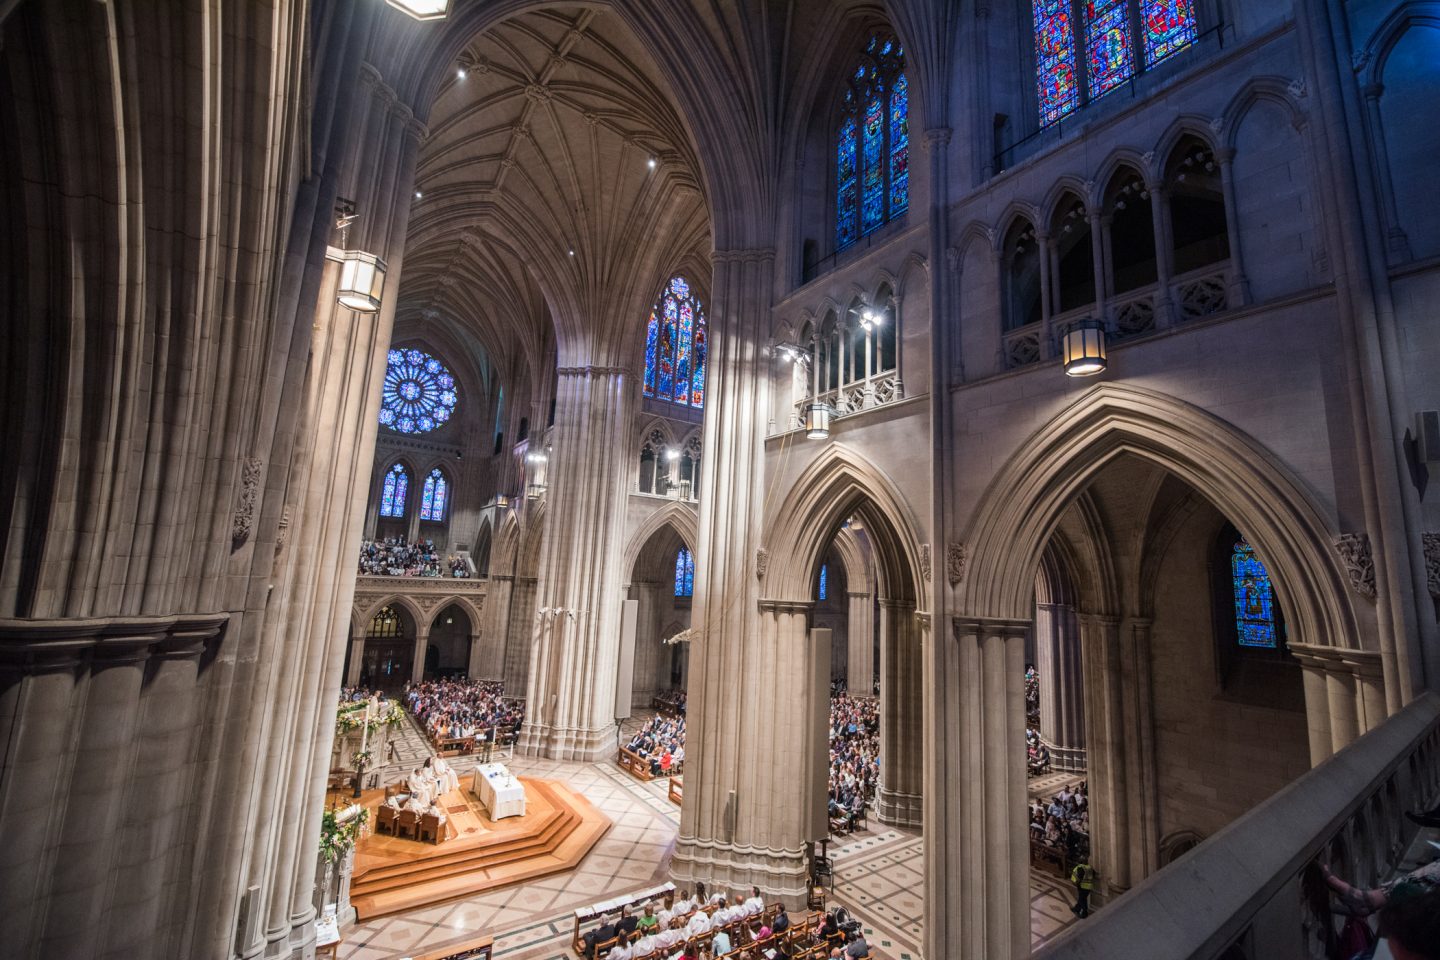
{"points": [[799, 942], [640, 768]]}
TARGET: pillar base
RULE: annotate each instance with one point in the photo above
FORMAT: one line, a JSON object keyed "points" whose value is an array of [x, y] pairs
{"points": [[901, 809], [780, 873], [566, 743]]}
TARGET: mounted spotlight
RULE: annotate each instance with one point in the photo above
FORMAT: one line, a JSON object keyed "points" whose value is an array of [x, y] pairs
{"points": [[537, 458], [817, 421], [422, 9], [870, 319], [672, 454], [362, 278], [1083, 348]]}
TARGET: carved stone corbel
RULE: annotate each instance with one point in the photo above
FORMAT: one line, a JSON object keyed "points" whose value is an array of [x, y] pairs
{"points": [[1431, 542], [762, 563], [925, 561], [955, 563], [1354, 550], [243, 521]]}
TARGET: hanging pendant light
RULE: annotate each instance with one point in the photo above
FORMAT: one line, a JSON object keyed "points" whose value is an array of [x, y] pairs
{"points": [[422, 9], [362, 278], [817, 421], [1083, 348]]}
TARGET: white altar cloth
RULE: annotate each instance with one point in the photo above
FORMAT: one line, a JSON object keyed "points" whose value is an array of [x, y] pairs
{"points": [[497, 788]]}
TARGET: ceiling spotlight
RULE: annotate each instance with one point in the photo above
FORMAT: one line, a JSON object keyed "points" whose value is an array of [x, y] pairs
{"points": [[650, 163], [418, 194], [460, 73], [672, 454], [572, 253]]}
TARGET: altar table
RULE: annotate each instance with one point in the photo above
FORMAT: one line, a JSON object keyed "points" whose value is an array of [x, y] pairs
{"points": [[497, 788]]}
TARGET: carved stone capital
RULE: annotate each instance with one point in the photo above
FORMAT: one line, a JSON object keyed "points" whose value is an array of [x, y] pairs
{"points": [[762, 563], [925, 561]]}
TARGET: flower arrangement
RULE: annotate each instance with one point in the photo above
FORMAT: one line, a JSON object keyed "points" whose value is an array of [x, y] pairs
{"points": [[361, 759], [346, 720], [339, 832]]}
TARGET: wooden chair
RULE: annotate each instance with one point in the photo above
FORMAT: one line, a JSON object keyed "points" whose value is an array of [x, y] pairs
{"points": [[385, 819], [430, 828], [408, 825]]}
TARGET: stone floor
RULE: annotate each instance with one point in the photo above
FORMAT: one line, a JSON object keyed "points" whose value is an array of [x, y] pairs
{"points": [[878, 876]]}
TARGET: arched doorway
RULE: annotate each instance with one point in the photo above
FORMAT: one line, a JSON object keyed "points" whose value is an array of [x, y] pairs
{"points": [[387, 658], [662, 585], [450, 639]]}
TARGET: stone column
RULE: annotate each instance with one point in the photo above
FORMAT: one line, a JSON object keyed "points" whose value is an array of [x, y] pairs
{"points": [[647, 664], [860, 646], [497, 627], [901, 715], [1049, 341], [1164, 253], [1100, 252], [571, 689], [989, 878], [1344, 695], [1239, 292], [417, 661], [742, 819], [519, 636], [1062, 694], [756, 830]]}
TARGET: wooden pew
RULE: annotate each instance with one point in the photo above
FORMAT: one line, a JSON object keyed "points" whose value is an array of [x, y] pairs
{"points": [[597, 910], [634, 764]]}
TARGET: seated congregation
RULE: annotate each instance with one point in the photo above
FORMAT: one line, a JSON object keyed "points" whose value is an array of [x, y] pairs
{"points": [[458, 714], [854, 758], [395, 557], [657, 749], [704, 926]]}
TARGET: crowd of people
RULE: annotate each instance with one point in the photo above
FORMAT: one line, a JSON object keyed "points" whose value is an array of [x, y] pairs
{"points": [[1064, 822], [854, 757], [1037, 754], [395, 557], [661, 743], [456, 709], [704, 926], [671, 701]]}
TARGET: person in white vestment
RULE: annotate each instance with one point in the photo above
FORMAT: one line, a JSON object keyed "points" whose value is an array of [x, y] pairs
{"points": [[445, 775], [420, 786], [416, 805], [700, 923]]}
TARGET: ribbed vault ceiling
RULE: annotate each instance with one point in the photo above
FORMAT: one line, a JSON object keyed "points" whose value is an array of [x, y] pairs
{"points": [[543, 148]]}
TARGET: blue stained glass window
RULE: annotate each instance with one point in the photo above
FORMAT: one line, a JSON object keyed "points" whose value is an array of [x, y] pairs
{"points": [[1107, 43], [392, 494], [1169, 27], [676, 347], [1058, 89], [652, 334], [684, 573], [433, 496], [872, 143], [418, 394], [899, 144], [1254, 598], [847, 225], [824, 581]]}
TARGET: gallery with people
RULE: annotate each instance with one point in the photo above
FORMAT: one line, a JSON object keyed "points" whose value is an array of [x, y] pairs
{"points": [[720, 480]]}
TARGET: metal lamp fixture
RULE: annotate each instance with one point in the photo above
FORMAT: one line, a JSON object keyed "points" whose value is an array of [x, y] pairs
{"points": [[672, 454], [362, 278], [1083, 349], [422, 9], [870, 319], [817, 421]]}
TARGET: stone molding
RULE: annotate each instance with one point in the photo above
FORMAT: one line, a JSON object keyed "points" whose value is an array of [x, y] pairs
{"points": [[592, 370], [770, 605], [754, 255], [37, 646], [1355, 554]]}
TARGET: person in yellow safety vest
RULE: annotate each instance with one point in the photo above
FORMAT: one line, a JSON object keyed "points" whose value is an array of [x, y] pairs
{"points": [[1083, 876]]}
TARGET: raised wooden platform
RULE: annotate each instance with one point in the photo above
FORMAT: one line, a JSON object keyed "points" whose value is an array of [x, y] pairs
{"points": [[392, 874]]}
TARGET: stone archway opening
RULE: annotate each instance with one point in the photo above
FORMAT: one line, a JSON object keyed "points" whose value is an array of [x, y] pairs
{"points": [[451, 637], [387, 656], [661, 587]]}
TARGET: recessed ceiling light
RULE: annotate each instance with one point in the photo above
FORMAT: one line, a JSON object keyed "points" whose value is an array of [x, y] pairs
{"points": [[572, 253], [650, 163], [460, 73], [418, 194]]}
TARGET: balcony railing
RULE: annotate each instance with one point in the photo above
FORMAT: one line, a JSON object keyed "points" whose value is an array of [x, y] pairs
{"points": [[1128, 316], [1248, 891], [854, 397]]}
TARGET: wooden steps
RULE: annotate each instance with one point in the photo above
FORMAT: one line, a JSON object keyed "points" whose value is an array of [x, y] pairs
{"points": [[558, 830]]}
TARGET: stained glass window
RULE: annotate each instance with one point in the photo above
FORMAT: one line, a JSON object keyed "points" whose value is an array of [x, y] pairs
{"points": [[418, 395], [676, 347], [1107, 44], [824, 581], [684, 573], [1105, 41], [392, 495], [1168, 27], [433, 496], [1254, 598], [872, 142], [1058, 87]]}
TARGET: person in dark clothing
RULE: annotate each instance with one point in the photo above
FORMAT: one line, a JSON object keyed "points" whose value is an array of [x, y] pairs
{"points": [[626, 924], [601, 934]]}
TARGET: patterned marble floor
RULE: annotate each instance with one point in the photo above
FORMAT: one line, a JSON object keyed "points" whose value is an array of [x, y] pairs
{"points": [[879, 876]]}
